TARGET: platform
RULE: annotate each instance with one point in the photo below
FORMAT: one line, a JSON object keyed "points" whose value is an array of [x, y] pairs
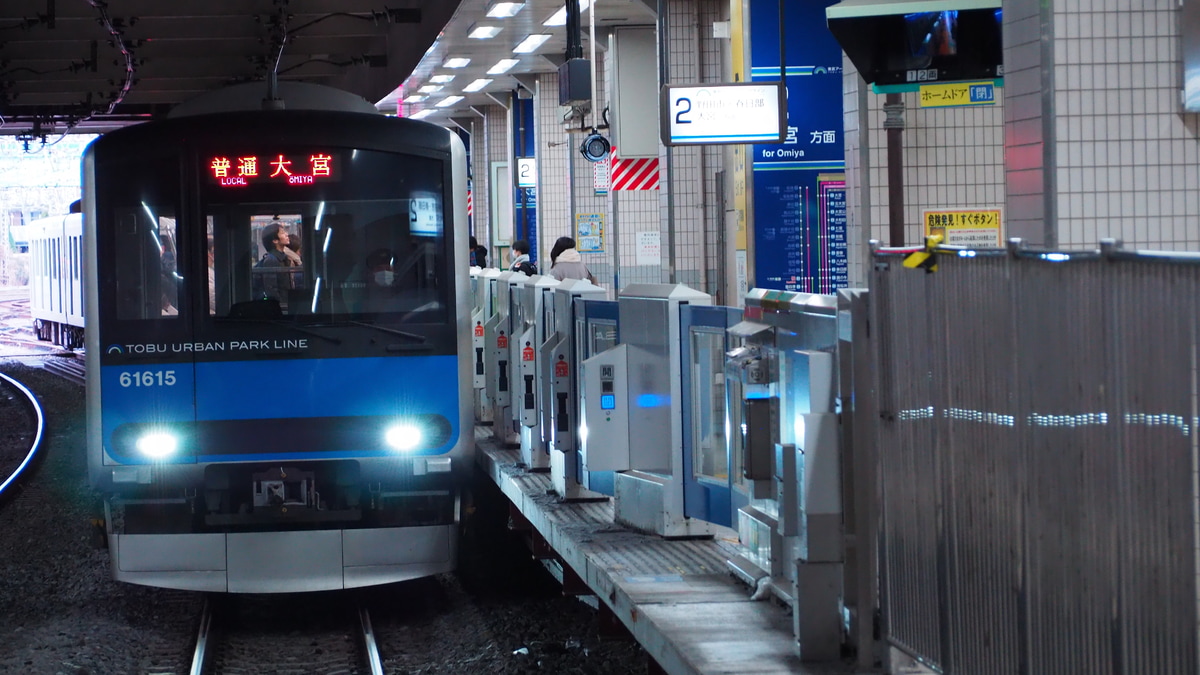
{"points": [[676, 597]]}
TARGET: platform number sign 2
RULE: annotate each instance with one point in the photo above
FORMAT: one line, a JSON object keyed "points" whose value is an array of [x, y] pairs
{"points": [[526, 172], [683, 105]]}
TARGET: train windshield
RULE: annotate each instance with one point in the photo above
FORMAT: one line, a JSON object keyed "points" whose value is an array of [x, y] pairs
{"points": [[355, 233], [324, 258], [325, 233]]}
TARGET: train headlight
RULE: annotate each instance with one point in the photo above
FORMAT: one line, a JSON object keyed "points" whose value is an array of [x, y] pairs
{"points": [[404, 437], [157, 444]]}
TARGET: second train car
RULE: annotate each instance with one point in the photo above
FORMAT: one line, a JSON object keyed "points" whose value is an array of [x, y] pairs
{"points": [[277, 348]]}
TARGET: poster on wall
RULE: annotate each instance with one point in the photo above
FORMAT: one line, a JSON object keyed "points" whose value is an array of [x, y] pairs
{"points": [[589, 232], [977, 228], [799, 188], [649, 249], [600, 176]]}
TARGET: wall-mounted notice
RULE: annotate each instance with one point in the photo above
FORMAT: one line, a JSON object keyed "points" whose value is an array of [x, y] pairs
{"points": [[649, 251], [589, 232], [601, 176], [981, 228]]}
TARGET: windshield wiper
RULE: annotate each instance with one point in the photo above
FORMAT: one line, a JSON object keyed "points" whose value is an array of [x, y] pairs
{"points": [[394, 331], [283, 324]]}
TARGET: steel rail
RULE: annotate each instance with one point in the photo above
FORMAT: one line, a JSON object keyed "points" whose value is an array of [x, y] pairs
{"points": [[37, 440], [368, 633], [201, 653]]}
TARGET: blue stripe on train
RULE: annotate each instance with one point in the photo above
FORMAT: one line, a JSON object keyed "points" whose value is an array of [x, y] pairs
{"points": [[170, 393]]}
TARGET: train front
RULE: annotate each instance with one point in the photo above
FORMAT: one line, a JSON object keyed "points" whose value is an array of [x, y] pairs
{"points": [[277, 395]]}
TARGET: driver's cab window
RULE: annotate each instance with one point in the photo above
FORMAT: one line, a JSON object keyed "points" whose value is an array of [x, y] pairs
{"points": [[148, 281]]}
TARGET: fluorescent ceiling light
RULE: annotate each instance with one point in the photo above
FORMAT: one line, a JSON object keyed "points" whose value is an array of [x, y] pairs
{"points": [[559, 18], [415, 98], [503, 9], [477, 85], [456, 62], [503, 66], [531, 43], [479, 32], [422, 114], [430, 88], [442, 79], [448, 101]]}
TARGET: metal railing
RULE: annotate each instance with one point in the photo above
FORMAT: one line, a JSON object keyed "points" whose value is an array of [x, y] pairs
{"points": [[1038, 457]]}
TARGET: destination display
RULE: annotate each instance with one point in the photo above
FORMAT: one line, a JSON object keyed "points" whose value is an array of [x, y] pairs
{"points": [[283, 168], [714, 114]]}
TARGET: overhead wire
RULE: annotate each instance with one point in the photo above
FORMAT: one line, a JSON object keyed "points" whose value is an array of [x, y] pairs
{"points": [[117, 98]]}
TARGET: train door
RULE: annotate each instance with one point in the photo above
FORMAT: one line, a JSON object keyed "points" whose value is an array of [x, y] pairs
{"points": [[707, 488]]}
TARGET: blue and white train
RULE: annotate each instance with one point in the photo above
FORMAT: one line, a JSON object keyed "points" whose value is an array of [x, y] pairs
{"points": [[55, 279], [277, 345]]}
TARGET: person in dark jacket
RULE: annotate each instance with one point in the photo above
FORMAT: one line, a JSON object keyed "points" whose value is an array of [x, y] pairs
{"points": [[478, 254], [520, 258]]}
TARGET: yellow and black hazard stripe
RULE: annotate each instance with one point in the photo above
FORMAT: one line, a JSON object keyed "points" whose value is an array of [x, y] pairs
{"points": [[927, 258]]}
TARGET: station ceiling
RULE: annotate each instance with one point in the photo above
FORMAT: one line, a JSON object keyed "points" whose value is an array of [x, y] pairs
{"points": [[92, 65]]}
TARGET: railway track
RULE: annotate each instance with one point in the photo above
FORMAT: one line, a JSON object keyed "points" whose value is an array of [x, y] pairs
{"points": [[24, 423], [302, 633], [18, 340], [67, 366], [16, 327]]}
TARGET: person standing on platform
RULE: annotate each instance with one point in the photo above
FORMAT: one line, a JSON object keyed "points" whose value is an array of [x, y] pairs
{"points": [[478, 254], [566, 263], [520, 258]]}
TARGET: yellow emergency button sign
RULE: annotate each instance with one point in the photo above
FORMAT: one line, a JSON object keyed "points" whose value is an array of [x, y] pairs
{"points": [[975, 228]]}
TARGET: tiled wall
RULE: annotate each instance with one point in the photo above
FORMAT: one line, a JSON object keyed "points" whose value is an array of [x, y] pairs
{"points": [[1128, 159], [1029, 138], [631, 212], [688, 217], [857, 132], [497, 149], [565, 179], [553, 192], [687, 170], [953, 159], [480, 218]]}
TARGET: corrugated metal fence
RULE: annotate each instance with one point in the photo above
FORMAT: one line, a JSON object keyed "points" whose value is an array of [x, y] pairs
{"points": [[1038, 461]]}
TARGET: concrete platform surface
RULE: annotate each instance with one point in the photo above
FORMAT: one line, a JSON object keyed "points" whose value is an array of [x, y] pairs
{"points": [[677, 598]]}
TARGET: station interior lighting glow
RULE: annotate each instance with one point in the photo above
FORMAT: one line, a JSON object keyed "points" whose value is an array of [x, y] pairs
{"points": [[503, 66], [503, 9], [478, 32], [559, 18], [531, 43]]}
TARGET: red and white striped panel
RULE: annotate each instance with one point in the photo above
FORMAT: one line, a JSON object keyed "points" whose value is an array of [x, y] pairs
{"points": [[634, 174], [469, 206]]}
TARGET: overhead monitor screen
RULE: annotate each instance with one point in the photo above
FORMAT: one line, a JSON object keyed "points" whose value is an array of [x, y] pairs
{"points": [[953, 45]]}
